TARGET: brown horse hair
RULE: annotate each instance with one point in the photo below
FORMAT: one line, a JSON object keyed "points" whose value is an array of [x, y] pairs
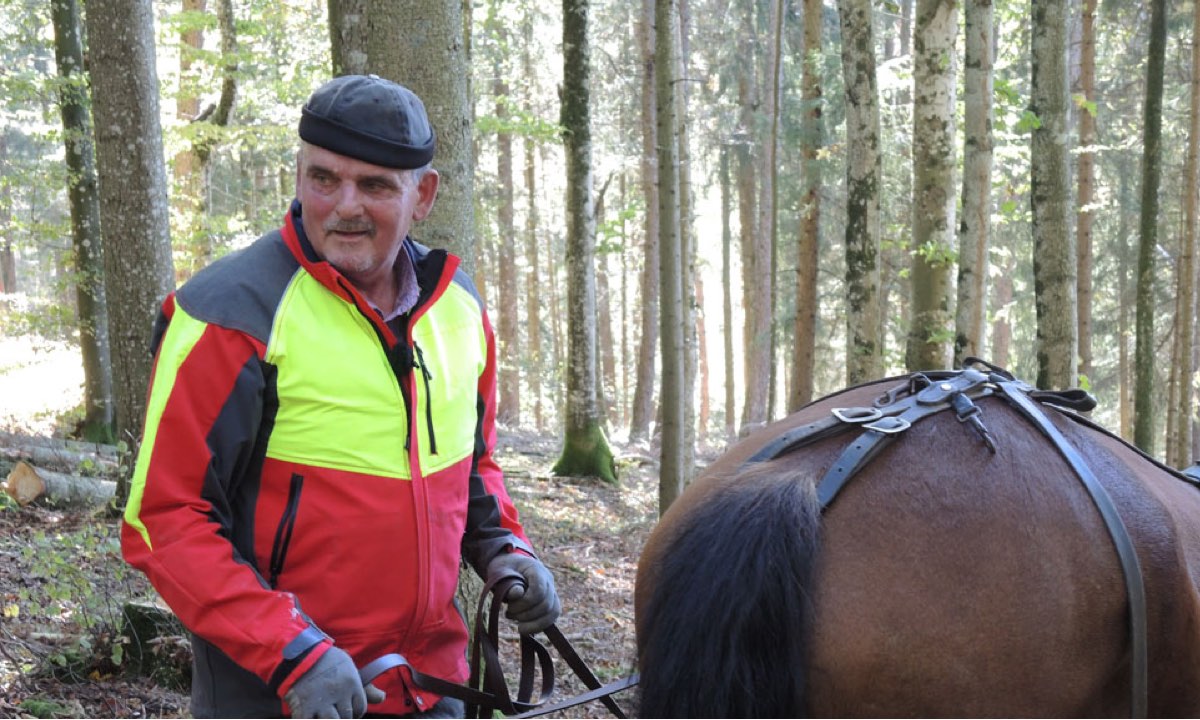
{"points": [[761, 531]]}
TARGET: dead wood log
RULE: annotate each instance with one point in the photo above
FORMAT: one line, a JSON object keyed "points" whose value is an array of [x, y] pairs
{"points": [[70, 456], [27, 483]]}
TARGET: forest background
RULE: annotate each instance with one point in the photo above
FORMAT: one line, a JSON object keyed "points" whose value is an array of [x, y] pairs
{"points": [[775, 229], [688, 217]]}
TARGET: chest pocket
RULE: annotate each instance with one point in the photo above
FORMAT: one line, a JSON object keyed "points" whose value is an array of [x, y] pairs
{"points": [[452, 354]]}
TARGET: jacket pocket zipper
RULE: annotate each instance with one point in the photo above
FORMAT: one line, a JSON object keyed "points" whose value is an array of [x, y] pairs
{"points": [[283, 533]]}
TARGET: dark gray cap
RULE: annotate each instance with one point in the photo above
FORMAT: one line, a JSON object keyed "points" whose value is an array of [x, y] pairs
{"points": [[370, 119]]}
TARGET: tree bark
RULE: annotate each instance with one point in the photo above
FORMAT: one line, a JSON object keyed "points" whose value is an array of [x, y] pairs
{"points": [[643, 394], [1180, 445], [808, 259], [585, 449], [1054, 261], [86, 241], [673, 471], [508, 410], [1143, 403], [864, 352], [138, 268], [754, 240], [976, 227], [934, 66], [1086, 174]]}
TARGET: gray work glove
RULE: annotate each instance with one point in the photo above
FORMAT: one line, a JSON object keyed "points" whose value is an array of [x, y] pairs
{"points": [[535, 606], [331, 688]]}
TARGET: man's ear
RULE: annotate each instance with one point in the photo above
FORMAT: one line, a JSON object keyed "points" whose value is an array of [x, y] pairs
{"points": [[427, 190]]}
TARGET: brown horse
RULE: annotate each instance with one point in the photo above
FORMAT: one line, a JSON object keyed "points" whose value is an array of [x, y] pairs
{"points": [[944, 579]]}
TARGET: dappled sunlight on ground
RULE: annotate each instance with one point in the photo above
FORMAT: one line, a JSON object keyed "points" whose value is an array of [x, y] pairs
{"points": [[40, 380]]}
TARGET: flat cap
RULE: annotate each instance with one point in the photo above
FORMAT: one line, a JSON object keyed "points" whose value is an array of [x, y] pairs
{"points": [[371, 119]]}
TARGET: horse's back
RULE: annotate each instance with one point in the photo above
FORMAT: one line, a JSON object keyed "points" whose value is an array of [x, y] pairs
{"points": [[956, 581]]}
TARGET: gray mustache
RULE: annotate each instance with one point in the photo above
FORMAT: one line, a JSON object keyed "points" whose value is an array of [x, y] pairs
{"points": [[350, 227]]}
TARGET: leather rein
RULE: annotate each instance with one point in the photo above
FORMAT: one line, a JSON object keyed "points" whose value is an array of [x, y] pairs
{"points": [[487, 690], [923, 394]]}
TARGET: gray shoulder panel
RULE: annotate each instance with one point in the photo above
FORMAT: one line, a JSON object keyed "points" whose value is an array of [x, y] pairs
{"points": [[242, 290]]}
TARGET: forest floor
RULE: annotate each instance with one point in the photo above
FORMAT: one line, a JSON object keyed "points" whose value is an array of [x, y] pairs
{"points": [[63, 583]]}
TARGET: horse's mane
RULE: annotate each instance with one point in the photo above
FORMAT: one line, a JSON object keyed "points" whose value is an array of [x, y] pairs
{"points": [[751, 545]]}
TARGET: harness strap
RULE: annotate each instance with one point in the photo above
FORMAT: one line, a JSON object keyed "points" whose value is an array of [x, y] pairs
{"points": [[1130, 567], [487, 689]]}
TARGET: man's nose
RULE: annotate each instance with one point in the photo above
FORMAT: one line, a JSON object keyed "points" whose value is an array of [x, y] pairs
{"points": [[349, 201]]}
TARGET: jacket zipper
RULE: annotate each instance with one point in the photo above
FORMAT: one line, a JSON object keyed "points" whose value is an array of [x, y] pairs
{"points": [[283, 533]]}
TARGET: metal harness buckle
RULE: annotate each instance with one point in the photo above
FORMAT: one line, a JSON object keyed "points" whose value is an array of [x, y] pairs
{"points": [[855, 415]]}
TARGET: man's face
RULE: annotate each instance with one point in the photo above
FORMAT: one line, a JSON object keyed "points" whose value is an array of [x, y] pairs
{"points": [[357, 214]]}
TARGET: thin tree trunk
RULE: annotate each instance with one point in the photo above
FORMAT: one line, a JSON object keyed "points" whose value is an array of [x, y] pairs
{"points": [[508, 410], [585, 449], [1054, 259], [643, 395], [769, 189], [933, 185], [1186, 320], [811, 142], [727, 296], [975, 231], [864, 173], [691, 314], [1086, 174], [673, 472], [87, 244], [755, 245], [1143, 404]]}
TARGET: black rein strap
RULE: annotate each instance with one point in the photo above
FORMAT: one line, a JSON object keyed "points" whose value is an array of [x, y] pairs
{"points": [[487, 690]]}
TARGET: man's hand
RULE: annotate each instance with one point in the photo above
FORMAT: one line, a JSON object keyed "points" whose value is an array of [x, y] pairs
{"points": [[535, 606], [331, 688]]}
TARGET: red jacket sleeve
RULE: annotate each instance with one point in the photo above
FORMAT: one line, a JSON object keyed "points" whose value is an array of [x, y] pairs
{"points": [[203, 411]]}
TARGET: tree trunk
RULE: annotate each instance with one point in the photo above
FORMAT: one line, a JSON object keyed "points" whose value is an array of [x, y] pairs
{"points": [[1054, 261], [1144, 352], [768, 211], [864, 352], [585, 449], [377, 36], [138, 268], [690, 309], [533, 295], [8, 259], [83, 194], [976, 228], [673, 472], [508, 410], [1185, 321], [727, 295], [187, 197], [1086, 174], [643, 394], [931, 319], [811, 142], [755, 242]]}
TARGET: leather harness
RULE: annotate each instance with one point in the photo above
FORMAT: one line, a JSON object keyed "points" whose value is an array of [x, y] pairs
{"points": [[487, 690], [923, 394]]}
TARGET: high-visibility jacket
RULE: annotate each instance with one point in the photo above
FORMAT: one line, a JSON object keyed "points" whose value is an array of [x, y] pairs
{"points": [[309, 477]]}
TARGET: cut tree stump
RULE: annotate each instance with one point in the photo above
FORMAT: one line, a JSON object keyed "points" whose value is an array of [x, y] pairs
{"points": [[27, 483]]}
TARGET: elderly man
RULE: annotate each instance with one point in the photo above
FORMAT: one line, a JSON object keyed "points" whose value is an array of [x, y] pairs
{"points": [[317, 458]]}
